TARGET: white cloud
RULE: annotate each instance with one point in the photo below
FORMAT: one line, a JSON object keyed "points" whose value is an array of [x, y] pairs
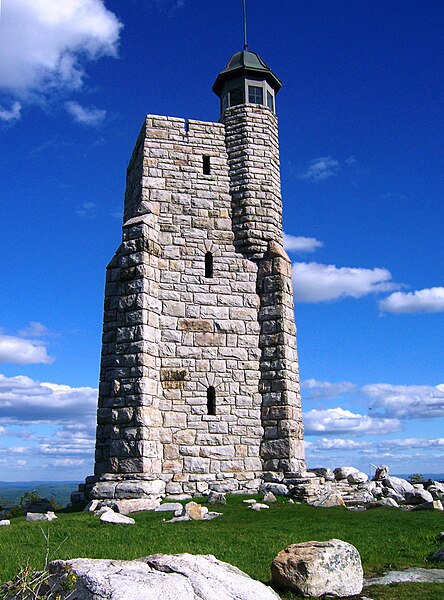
{"points": [[321, 168], [325, 390], [24, 401], [20, 351], [341, 444], [315, 282], [87, 116], [406, 401], [412, 443], [429, 300], [294, 243], [11, 114], [2, 431], [21, 463], [87, 210], [34, 330], [44, 44], [335, 420]]}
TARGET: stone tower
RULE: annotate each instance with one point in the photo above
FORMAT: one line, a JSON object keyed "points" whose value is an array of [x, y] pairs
{"points": [[199, 383]]}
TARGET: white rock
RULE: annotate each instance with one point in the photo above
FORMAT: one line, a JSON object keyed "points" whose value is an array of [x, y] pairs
{"points": [[358, 477], [418, 497], [102, 510], [319, 568], [116, 518], [401, 486], [278, 489], [132, 505], [269, 497], [258, 506], [5, 522], [92, 506], [249, 501], [159, 577], [174, 507], [344, 472], [382, 472], [195, 511], [48, 516]]}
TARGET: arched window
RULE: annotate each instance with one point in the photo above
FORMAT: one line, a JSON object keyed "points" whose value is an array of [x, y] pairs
{"points": [[208, 264], [211, 400]]}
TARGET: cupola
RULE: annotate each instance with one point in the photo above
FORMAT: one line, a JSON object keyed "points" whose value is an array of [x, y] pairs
{"points": [[246, 80]]}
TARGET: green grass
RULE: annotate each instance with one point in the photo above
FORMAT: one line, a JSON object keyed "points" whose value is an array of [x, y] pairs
{"points": [[387, 539]]}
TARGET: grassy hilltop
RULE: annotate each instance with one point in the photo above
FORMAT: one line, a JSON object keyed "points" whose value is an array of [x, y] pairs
{"points": [[387, 539]]}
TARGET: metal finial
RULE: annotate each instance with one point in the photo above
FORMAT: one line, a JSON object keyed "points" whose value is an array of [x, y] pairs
{"points": [[245, 26]]}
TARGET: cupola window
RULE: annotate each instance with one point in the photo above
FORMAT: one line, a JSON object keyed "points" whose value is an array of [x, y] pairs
{"points": [[270, 101], [236, 96], [211, 400], [255, 94], [208, 264]]}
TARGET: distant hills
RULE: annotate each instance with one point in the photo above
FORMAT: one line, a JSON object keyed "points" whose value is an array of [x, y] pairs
{"points": [[12, 491]]}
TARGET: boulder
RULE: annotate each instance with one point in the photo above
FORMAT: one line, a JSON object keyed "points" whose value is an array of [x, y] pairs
{"points": [[92, 506], [327, 474], [174, 507], [278, 489], [418, 497], [319, 568], [48, 516], [157, 577], [217, 498], [344, 472], [328, 497], [389, 493], [195, 511], [132, 505], [382, 472], [358, 477], [269, 497], [439, 554], [383, 502], [5, 522], [437, 490], [400, 486], [434, 505], [110, 516], [257, 506]]}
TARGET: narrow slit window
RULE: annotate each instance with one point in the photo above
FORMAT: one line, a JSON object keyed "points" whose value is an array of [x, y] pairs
{"points": [[208, 264], [206, 165], [211, 400]]}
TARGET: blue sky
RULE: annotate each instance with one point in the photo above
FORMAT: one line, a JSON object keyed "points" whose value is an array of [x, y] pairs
{"points": [[361, 134]]}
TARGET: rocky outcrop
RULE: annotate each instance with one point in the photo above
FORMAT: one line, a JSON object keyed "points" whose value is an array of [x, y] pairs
{"points": [[319, 568], [157, 577], [33, 516]]}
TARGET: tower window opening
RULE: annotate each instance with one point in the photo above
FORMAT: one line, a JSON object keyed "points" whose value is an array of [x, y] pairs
{"points": [[270, 101], [211, 400], [208, 264], [255, 94], [236, 96], [206, 165]]}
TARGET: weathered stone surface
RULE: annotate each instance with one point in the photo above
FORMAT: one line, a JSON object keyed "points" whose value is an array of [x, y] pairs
{"points": [[319, 568], [5, 522], [158, 577], [269, 497], [382, 472], [434, 505], [125, 507], [139, 489], [278, 489], [257, 506], [358, 477], [195, 511], [48, 516], [328, 498], [323, 472], [174, 507], [401, 486], [418, 496], [216, 498], [344, 472], [110, 516], [412, 575]]}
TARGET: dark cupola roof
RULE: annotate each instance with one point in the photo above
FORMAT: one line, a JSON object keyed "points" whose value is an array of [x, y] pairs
{"points": [[246, 63]]}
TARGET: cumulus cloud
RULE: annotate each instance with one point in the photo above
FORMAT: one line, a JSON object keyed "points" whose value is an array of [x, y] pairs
{"points": [[294, 243], [20, 351], [429, 300], [335, 420], [25, 401], [341, 444], [87, 116], [11, 114], [34, 330], [59, 38], [315, 282], [406, 401], [325, 390], [320, 168]]}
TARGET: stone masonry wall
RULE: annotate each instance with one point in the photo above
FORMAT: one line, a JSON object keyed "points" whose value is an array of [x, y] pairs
{"points": [[177, 336]]}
